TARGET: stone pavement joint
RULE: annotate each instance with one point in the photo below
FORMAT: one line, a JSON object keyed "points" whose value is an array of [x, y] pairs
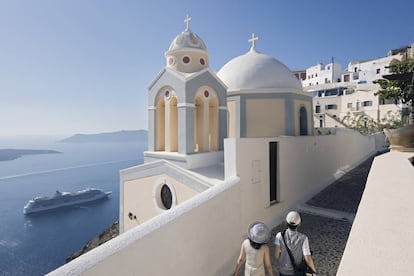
{"points": [[328, 213]]}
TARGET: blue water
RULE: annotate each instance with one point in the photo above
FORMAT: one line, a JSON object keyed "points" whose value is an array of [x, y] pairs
{"points": [[37, 244]]}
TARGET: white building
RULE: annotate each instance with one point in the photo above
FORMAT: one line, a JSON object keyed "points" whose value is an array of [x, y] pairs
{"points": [[185, 210], [351, 101], [323, 74]]}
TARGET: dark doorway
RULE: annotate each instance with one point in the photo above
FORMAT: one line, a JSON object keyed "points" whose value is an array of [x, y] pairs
{"points": [[273, 171], [303, 121]]}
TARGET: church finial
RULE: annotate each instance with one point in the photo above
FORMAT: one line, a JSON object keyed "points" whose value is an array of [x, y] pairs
{"points": [[187, 22], [253, 41]]}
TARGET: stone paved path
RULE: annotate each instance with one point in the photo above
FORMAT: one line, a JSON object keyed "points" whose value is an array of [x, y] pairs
{"points": [[327, 219]]}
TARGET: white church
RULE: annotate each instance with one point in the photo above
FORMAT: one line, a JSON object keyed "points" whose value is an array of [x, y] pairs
{"points": [[224, 149]]}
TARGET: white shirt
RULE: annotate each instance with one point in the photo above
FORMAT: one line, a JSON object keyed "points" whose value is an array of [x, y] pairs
{"points": [[305, 246]]}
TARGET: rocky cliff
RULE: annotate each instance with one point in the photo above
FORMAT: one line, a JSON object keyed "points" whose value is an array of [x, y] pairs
{"points": [[111, 232]]}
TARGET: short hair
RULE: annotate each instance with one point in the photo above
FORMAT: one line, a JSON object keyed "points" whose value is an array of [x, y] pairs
{"points": [[292, 227]]}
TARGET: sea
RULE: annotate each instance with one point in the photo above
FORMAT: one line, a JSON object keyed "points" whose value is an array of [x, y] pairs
{"points": [[38, 243]]}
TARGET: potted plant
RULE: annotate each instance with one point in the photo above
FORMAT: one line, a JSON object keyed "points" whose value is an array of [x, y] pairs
{"points": [[399, 85]]}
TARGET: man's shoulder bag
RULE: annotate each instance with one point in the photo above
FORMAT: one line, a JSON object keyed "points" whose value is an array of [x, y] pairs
{"points": [[302, 269]]}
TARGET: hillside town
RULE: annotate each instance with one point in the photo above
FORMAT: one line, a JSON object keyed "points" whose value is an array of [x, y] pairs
{"points": [[346, 97]]}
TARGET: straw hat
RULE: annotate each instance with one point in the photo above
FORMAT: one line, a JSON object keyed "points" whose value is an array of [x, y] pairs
{"points": [[258, 232]]}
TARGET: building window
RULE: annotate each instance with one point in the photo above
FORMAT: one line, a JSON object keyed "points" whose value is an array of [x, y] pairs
{"points": [[303, 76], [202, 61], [318, 109], [171, 61], [346, 78], [355, 76], [378, 70], [166, 196], [367, 103], [349, 105], [186, 60], [331, 106]]}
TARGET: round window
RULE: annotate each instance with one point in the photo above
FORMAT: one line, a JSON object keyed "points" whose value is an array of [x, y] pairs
{"points": [[186, 60], [167, 93], [170, 61], [163, 195], [166, 196], [206, 93], [202, 61]]}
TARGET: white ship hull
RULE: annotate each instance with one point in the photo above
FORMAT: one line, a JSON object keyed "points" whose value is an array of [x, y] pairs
{"points": [[59, 200]]}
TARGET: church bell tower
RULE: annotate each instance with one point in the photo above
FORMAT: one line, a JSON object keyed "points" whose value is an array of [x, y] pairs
{"points": [[187, 103]]}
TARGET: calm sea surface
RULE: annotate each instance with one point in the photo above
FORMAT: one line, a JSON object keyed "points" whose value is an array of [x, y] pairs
{"points": [[38, 243]]}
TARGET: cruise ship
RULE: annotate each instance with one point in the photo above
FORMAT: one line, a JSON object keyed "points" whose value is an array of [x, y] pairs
{"points": [[61, 199]]}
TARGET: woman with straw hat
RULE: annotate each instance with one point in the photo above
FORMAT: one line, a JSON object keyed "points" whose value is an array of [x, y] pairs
{"points": [[254, 252]]}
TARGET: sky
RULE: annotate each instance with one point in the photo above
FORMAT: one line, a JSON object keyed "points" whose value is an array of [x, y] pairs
{"points": [[84, 66]]}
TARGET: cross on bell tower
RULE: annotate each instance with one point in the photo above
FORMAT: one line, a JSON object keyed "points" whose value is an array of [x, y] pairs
{"points": [[253, 41], [187, 22]]}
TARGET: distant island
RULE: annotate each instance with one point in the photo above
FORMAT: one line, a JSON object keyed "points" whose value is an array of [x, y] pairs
{"points": [[11, 154], [119, 136]]}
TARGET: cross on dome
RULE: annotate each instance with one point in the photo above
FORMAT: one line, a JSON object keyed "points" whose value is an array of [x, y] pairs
{"points": [[253, 41], [187, 22]]}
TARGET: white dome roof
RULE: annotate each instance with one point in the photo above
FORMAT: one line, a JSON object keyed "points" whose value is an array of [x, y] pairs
{"points": [[185, 40], [254, 70]]}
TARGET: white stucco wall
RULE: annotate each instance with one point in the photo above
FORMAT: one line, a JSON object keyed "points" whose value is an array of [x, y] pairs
{"points": [[371, 70], [140, 197], [307, 164], [321, 74], [195, 238], [202, 235], [381, 240]]}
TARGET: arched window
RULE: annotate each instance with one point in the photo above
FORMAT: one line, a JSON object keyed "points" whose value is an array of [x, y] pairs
{"points": [[206, 121], [199, 129], [166, 121], [171, 127], [213, 124], [303, 121], [160, 125]]}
